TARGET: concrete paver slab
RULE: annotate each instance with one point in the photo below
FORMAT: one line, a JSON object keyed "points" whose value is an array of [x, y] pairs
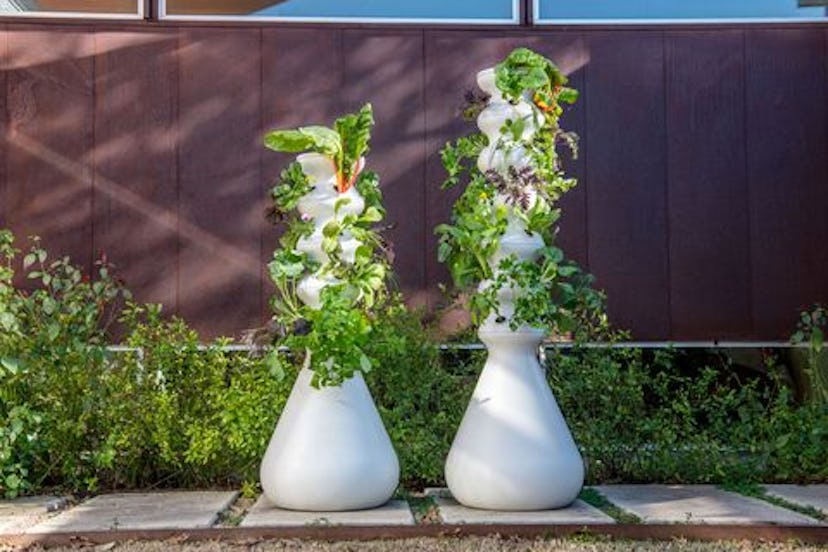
{"points": [[138, 511], [19, 514], [579, 513], [815, 496], [264, 514], [697, 504]]}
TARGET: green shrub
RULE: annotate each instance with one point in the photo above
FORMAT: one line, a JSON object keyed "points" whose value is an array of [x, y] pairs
{"points": [[810, 366], [419, 397], [53, 355], [184, 415], [170, 412], [641, 419]]}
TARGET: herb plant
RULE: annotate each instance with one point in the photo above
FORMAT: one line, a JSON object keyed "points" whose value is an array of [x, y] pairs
{"points": [[554, 292], [332, 338]]}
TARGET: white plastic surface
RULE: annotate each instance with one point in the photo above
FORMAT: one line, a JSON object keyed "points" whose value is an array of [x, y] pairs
{"points": [[513, 450], [330, 451]]}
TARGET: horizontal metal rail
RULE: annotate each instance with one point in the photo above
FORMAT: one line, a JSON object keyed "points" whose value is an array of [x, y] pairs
{"points": [[547, 346]]}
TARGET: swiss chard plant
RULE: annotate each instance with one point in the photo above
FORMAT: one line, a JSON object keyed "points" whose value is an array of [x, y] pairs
{"points": [[344, 144], [554, 292], [332, 339]]}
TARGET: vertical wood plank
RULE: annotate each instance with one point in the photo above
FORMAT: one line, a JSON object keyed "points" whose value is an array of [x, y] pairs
{"points": [[386, 68], [135, 176], [301, 84], [628, 251], [50, 136], [220, 179], [570, 53], [787, 174], [707, 188], [4, 64]]}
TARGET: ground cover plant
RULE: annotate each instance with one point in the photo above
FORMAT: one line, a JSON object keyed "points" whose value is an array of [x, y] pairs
{"points": [[177, 413]]}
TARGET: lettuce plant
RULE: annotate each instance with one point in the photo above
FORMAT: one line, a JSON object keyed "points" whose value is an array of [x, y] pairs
{"points": [[554, 292], [331, 339]]}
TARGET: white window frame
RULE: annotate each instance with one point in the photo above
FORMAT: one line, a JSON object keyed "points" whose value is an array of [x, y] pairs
{"points": [[538, 20], [139, 14], [514, 20]]}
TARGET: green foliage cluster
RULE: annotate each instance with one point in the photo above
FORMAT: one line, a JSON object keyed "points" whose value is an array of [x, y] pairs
{"points": [[332, 339], [638, 417], [552, 289], [810, 331], [52, 338], [345, 143], [421, 394], [169, 412]]}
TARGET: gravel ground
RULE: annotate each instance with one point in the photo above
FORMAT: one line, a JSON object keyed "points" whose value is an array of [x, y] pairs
{"points": [[470, 544]]}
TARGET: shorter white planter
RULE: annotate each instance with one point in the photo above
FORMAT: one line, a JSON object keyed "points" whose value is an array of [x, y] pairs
{"points": [[330, 451]]}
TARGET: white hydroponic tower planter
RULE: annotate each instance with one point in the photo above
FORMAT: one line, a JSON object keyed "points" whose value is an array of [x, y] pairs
{"points": [[513, 450], [330, 451]]}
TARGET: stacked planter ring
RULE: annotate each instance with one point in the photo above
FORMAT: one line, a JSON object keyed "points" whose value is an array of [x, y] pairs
{"points": [[513, 450], [330, 450]]}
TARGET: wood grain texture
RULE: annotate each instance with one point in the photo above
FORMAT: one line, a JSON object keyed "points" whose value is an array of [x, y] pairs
{"points": [[220, 212], [4, 222], [689, 151], [301, 83], [707, 187], [626, 186], [386, 68], [49, 137], [135, 178], [570, 52], [787, 143]]}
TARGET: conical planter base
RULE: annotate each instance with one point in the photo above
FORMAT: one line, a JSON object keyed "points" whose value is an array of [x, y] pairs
{"points": [[513, 450], [330, 451]]}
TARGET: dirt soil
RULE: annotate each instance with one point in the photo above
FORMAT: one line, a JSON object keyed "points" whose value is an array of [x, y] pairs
{"points": [[466, 544]]}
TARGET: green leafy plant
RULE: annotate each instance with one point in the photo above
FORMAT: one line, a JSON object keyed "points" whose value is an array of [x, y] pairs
{"points": [[331, 339], [171, 411], [53, 349], [345, 144], [811, 329], [420, 393], [552, 289]]}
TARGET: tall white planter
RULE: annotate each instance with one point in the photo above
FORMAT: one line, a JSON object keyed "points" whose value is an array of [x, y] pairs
{"points": [[513, 450], [330, 451]]}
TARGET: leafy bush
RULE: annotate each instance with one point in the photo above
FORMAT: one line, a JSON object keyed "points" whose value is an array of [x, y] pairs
{"points": [[52, 348], [810, 331], [171, 412], [638, 418], [185, 415], [420, 397]]}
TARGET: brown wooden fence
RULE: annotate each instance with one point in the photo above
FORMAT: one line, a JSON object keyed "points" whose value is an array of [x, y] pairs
{"points": [[702, 209]]}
